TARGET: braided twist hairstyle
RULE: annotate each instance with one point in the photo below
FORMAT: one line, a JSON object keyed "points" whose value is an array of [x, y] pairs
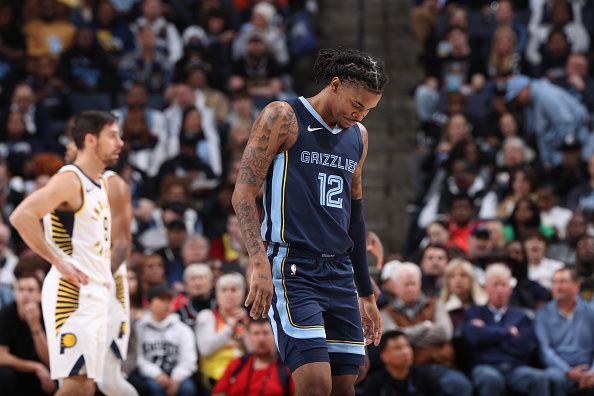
{"points": [[351, 66]]}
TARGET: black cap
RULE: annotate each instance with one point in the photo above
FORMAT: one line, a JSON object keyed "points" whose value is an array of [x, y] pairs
{"points": [[175, 223], [481, 232], [570, 142], [160, 291]]}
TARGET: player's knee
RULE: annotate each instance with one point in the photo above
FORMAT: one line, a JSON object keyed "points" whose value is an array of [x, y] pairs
{"points": [[77, 386]]}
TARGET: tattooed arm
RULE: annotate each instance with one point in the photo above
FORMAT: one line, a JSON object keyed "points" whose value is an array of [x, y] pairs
{"points": [[357, 184], [274, 130]]}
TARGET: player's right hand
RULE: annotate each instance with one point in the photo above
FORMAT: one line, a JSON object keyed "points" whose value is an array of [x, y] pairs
{"points": [[260, 294], [72, 274]]}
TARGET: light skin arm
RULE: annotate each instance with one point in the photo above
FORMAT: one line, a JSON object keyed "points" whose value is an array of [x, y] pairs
{"points": [[120, 203], [62, 189], [370, 314], [274, 128]]}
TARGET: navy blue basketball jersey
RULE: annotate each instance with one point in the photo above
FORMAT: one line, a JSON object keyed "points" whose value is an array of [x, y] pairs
{"points": [[307, 194]]}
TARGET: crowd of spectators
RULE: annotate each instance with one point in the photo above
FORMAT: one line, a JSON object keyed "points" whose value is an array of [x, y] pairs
{"points": [[493, 291]]}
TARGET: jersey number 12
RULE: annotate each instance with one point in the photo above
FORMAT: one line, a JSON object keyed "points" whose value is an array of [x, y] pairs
{"points": [[331, 187]]}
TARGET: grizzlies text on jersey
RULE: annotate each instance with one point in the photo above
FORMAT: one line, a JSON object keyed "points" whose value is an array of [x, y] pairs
{"points": [[307, 194]]}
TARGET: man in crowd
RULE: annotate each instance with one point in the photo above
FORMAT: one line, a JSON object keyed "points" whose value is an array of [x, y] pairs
{"points": [[399, 376], [260, 372], [428, 327], [564, 330], [23, 346], [503, 340]]}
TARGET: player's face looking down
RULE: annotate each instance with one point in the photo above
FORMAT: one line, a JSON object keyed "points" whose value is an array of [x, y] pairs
{"points": [[352, 102]]}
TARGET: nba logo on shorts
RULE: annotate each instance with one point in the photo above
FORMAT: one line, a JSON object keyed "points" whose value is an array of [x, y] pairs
{"points": [[293, 269]]}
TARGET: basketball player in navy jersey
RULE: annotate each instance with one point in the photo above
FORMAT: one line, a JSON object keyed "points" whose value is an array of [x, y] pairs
{"points": [[308, 251]]}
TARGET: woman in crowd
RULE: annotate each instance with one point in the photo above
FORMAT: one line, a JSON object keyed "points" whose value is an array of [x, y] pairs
{"points": [[460, 291], [220, 331], [525, 216]]}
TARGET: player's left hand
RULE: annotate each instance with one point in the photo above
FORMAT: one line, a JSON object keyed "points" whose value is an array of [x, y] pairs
{"points": [[371, 320], [260, 292]]}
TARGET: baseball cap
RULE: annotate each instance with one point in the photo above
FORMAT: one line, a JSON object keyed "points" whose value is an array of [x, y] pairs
{"points": [[159, 291], [514, 86]]}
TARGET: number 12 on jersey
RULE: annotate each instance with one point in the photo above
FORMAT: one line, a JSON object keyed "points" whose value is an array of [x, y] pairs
{"points": [[331, 187]]}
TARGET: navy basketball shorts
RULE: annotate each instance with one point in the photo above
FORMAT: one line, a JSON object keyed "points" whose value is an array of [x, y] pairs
{"points": [[315, 312]]}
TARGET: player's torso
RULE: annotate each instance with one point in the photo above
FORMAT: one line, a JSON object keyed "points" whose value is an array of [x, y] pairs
{"points": [[84, 237], [307, 194]]}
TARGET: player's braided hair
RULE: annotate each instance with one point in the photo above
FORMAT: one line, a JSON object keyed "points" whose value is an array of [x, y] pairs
{"points": [[350, 66]]}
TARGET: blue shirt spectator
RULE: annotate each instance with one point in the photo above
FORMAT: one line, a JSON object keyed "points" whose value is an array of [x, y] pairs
{"points": [[564, 330], [550, 114]]}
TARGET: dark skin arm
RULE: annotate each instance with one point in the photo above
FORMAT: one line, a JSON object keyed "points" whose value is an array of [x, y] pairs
{"points": [[120, 203], [370, 315], [275, 130]]}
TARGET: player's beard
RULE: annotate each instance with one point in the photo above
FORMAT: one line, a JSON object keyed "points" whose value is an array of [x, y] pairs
{"points": [[105, 156]]}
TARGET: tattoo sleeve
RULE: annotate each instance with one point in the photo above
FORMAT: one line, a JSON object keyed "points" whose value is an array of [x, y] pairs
{"points": [[273, 131]]}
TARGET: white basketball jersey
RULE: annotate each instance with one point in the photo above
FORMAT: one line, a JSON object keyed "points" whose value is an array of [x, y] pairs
{"points": [[83, 237]]}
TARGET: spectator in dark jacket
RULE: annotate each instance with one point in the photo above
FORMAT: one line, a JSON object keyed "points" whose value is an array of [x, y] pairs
{"points": [[503, 340], [399, 376]]}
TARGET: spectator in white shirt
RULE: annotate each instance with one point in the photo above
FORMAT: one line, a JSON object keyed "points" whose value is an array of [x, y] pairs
{"points": [[540, 268]]}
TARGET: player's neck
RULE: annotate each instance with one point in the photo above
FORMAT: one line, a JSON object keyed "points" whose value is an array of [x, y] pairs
{"points": [[92, 167], [320, 104]]}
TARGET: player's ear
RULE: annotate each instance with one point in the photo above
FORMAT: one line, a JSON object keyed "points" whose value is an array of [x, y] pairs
{"points": [[335, 84], [90, 139]]}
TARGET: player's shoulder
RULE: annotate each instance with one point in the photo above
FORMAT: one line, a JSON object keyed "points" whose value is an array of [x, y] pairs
{"points": [[363, 131], [278, 108], [116, 184], [65, 179], [278, 119]]}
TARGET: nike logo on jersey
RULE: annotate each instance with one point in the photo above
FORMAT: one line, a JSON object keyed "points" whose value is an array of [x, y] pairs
{"points": [[89, 189], [310, 129]]}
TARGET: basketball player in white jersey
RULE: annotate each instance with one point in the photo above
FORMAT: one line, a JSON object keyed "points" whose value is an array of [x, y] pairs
{"points": [[118, 326], [76, 239]]}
